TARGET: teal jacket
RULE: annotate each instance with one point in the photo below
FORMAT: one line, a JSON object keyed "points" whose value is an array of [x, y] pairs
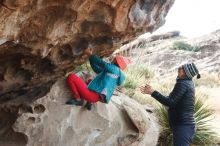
{"points": [[108, 78]]}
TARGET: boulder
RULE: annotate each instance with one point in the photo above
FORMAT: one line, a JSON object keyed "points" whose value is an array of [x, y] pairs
{"points": [[51, 122]]}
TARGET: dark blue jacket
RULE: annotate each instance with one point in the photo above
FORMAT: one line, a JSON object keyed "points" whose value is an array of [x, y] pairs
{"points": [[180, 102]]}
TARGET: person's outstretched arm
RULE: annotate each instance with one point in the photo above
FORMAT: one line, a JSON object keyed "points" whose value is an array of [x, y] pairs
{"points": [[171, 100], [95, 62], [98, 64]]}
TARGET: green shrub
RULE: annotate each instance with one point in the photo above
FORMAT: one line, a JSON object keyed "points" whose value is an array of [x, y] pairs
{"points": [[180, 45], [204, 135]]}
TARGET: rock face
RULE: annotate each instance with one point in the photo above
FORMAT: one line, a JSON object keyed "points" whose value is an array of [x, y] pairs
{"points": [[41, 40], [49, 121]]}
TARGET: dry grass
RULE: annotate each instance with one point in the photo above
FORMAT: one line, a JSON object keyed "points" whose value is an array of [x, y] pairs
{"points": [[164, 87], [209, 80], [135, 77]]}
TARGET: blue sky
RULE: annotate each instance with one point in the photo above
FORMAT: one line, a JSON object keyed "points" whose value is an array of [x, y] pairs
{"points": [[192, 17]]}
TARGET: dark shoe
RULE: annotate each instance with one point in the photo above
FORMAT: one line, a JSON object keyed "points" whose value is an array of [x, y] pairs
{"points": [[75, 102], [88, 106]]}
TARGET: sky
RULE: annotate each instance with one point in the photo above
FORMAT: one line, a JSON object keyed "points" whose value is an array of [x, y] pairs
{"points": [[192, 18]]}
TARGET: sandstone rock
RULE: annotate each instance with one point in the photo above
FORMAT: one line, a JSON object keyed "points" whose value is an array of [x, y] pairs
{"points": [[41, 40], [53, 123]]}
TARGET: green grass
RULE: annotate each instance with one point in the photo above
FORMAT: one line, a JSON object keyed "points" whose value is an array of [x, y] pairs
{"points": [[136, 76], [204, 136], [180, 45], [82, 68]]}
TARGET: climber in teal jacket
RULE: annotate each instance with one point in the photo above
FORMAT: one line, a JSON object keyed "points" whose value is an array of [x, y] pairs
{"points": [[109, 77], [101, 88]]}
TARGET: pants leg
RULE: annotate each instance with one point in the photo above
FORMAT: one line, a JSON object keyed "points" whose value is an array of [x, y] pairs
{"points": [[79, 89], [183, 135]]}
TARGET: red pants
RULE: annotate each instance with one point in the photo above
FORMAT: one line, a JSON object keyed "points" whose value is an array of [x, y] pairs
{"points": [[79, 89]]}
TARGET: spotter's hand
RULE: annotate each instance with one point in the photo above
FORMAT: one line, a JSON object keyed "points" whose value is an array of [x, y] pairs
{"points": [[147, 89]]}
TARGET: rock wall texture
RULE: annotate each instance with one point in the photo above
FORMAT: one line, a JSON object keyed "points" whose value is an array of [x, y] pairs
{"points": [[41, 40], [50, 122]]}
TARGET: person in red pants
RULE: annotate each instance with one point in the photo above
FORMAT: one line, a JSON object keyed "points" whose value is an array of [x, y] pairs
{"points": [[101, 88], [81, 92]]}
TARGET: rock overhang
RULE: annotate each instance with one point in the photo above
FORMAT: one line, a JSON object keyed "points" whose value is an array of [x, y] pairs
{"points": [[46, 39]]}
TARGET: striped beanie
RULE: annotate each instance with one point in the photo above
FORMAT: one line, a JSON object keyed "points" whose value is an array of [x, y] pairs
{"points": [[191, 70]]}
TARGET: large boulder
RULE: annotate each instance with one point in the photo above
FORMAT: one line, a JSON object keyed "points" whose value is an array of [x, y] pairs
{"points": [[41, 40], [49, 121]]}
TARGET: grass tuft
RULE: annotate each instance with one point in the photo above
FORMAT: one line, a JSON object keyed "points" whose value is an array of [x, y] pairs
{"points": [[180, 45]]}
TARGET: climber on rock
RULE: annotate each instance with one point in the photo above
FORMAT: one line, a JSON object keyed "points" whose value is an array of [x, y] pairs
{"points": [[101, 88]]}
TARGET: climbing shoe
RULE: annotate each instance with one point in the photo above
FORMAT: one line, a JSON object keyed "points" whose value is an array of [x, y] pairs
{"points": [[88, 106], [75, 102]]}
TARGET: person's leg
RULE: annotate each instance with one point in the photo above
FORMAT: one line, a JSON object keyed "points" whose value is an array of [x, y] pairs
{"points": [[79, 89], [183, 135], [72, 79]]}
